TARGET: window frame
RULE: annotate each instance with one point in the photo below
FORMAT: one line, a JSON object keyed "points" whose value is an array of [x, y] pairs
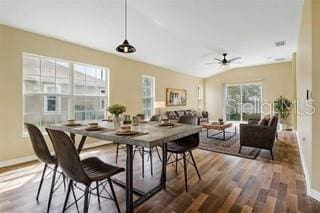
{"points": [[152, 93], [241, 98], [71, 96]]}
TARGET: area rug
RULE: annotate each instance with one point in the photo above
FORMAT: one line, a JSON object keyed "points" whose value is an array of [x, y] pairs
{"points": [[229, 147]]}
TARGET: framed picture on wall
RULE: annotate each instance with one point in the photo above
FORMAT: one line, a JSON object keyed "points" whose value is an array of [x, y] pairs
{"points": [[176, 97]]}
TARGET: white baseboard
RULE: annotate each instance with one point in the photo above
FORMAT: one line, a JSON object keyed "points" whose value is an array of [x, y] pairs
{"points": [[310, 191], [33, 157]]}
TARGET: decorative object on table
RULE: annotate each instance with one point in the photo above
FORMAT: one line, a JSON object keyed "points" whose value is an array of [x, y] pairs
{"points": [[126, 119], [116, 110], [135, 120], [72, 123], [94, 127], [125, 47], [164, 121], [220, 120], [176, 97], [283, 107]]}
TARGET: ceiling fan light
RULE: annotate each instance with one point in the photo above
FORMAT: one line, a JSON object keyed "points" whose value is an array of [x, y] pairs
{"points": [[125, 47]]}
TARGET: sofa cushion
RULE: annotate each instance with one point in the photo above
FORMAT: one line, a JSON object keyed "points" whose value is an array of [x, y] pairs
{"points": [[180, 113], [188, 112], [264, 121], [172, 115]]}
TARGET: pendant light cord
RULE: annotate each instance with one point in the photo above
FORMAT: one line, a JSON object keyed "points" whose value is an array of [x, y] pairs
{"points": [[126, 18]]}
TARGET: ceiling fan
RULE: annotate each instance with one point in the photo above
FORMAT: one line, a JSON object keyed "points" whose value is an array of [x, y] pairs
{"points": [[225, 61]]}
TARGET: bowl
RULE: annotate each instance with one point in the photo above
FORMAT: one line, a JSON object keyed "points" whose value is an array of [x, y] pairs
{"points": [[71, 121], [164, 121], [93, 125], [125, 129]]}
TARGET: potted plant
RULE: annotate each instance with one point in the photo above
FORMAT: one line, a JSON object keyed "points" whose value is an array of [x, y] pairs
{"points": [[283, 107], [116, 110]]}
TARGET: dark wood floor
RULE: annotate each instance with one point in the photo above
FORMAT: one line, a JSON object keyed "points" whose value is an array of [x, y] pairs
{"points": [[229, 184]]}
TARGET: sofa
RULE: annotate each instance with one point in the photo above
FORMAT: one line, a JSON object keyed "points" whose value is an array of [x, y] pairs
{"points": [[174, 115], [260, 135]]}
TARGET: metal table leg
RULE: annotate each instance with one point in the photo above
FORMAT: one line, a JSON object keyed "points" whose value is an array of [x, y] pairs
{"points": [[129, 179], [164, 166]]}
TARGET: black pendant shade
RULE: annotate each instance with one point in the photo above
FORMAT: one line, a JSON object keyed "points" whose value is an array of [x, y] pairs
{"points": [[125, 47]]}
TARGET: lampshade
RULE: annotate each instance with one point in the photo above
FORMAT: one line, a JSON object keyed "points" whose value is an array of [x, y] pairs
{"points": [[159, 104], [125, 47]]}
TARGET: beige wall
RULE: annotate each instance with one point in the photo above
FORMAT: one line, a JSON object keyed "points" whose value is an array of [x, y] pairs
{"points": [[125, 81], [276, 79], [307, 69]]}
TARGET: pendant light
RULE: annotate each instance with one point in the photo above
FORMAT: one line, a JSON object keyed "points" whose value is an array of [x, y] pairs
{"points": [[125, 47]]}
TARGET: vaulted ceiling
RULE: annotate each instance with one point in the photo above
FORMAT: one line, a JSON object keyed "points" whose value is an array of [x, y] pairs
{"points": [[181, 35]]}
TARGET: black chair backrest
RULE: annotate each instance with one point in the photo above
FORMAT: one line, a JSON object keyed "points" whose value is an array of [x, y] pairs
{"points": [[39, 145], [141, 116], [155, 118], [188, 119], [68, 157], [192, 140]]}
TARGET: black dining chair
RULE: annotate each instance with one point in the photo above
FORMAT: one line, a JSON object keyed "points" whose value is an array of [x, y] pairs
{"points": [[184, 147], [141, 150], [41, 150], [86, 171]]}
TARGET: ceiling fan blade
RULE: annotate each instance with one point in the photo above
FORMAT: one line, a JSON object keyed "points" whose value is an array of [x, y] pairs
{"points": [[218, 59], [234, 59], [212, 63]]}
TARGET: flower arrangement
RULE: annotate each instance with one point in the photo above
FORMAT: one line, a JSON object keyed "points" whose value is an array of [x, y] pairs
{"points": [[116, 109]]}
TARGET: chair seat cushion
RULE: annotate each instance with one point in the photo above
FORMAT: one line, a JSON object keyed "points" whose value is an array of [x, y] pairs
{"points": [[180, 147], [98, 170]]}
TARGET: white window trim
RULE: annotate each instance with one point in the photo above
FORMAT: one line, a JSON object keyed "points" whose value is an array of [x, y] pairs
{"points": [[71, 111], [153, 94], [225, 94]]}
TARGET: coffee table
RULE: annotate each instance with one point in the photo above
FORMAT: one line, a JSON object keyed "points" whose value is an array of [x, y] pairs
{"points": [[221, 135]]}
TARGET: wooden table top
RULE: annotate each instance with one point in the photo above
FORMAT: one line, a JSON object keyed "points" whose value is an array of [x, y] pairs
{"points": [[155, 135], [217, 126]]}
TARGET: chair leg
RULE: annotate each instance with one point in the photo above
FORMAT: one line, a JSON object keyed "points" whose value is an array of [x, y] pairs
{"points": [[195, 165], [271, 154], [176, 163], [240, 149], [142, 157], [185, 171], [52, 187], [67, 195], [151, 166], [86, 199], [41, 181], [117, 153], [113, 194], [158, 153], [98, 194]]}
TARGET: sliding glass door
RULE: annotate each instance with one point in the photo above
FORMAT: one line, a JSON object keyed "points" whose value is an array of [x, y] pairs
{"points": [[243, 101]]}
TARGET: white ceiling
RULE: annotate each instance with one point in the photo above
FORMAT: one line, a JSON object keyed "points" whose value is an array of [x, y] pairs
{"points": [[182, 35]]}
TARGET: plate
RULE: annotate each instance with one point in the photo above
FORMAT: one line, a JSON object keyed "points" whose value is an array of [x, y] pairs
{"points": [[94, 128], [108, 120], [127, 133], [168, 124], [73, 124], [143, 122]]}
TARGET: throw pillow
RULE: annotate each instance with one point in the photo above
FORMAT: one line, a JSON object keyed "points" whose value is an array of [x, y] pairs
{"points": [[264, 121]]}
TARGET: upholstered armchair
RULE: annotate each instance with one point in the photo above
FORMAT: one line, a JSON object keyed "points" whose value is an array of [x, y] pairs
{"points": [[259, 136]]}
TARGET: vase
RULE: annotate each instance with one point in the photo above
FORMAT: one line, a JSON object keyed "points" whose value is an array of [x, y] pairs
{"points": [[116, 122]]}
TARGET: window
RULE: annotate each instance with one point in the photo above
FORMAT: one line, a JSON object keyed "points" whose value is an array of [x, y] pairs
{"points": [[243, 101], [200, 98], [148, 91], [56, 90]]}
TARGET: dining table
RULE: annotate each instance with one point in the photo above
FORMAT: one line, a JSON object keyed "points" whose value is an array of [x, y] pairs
{"points": [[148, 134]]}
